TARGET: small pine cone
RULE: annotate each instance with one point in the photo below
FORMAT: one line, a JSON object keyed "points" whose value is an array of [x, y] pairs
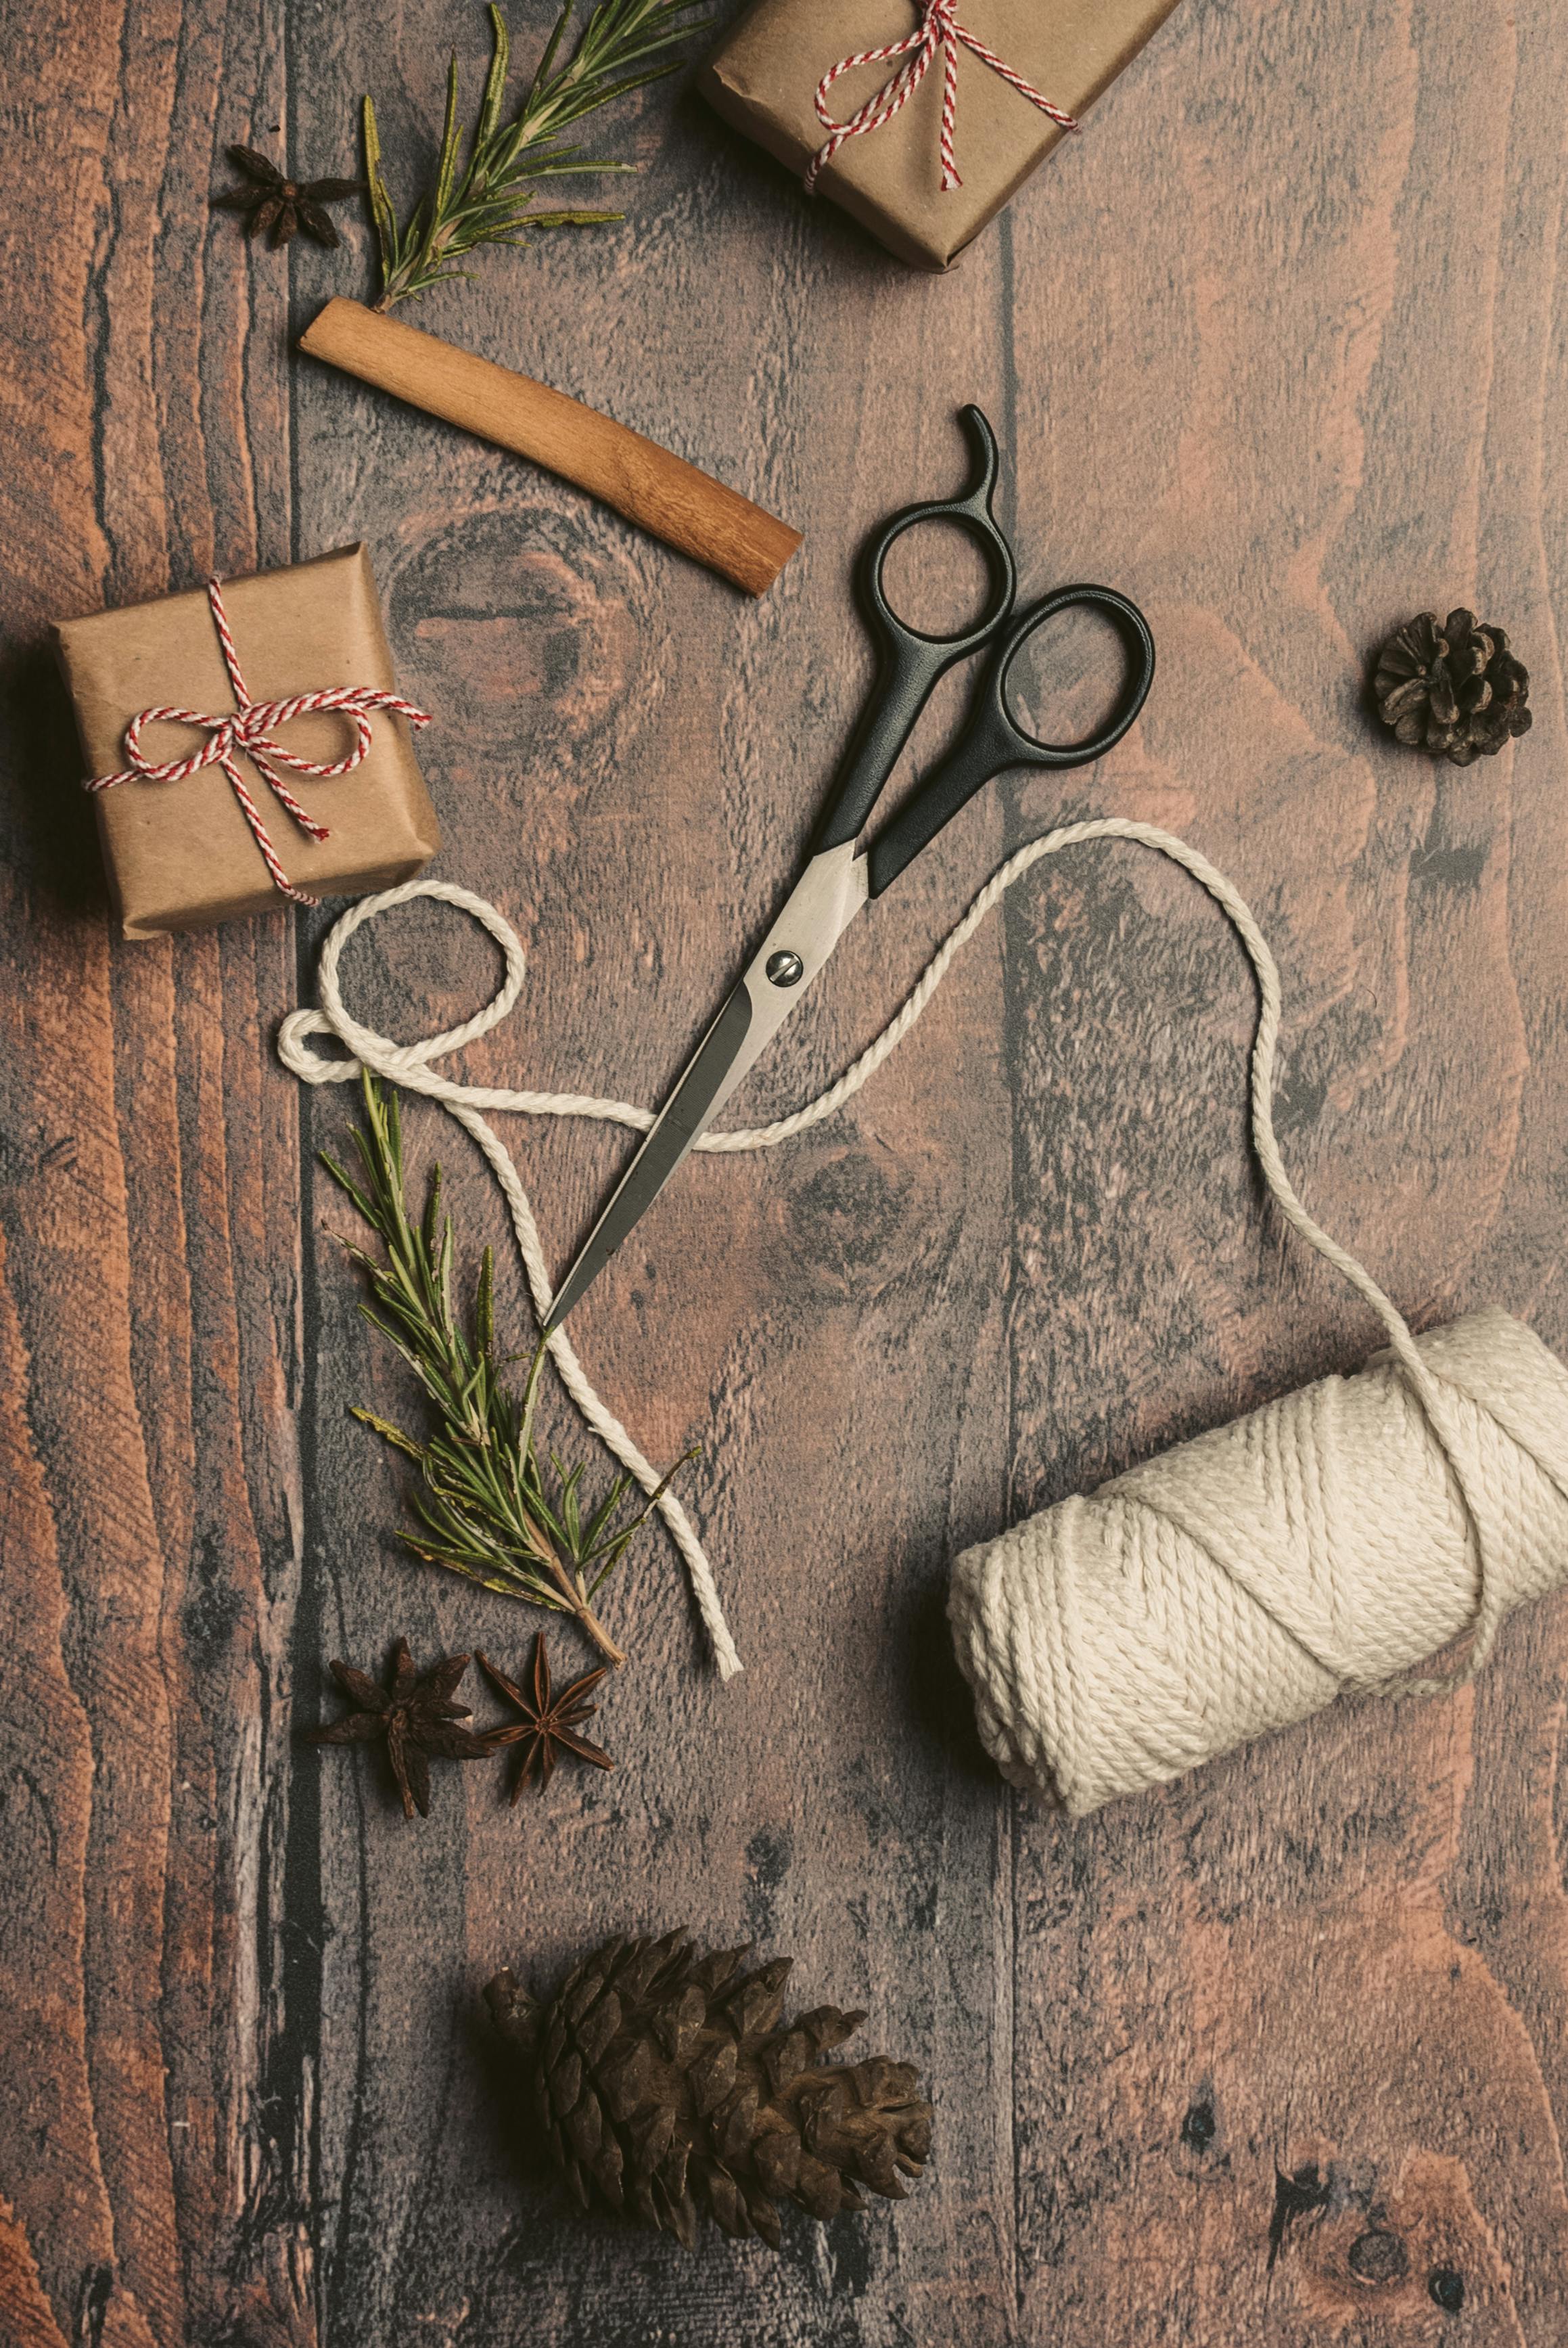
{"points": [[665, 2081], [1455, 691]]}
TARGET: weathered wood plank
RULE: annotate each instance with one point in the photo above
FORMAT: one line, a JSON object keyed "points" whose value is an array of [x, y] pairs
{"points": [[1308, 2069], [628, 766], [151, 1220]]}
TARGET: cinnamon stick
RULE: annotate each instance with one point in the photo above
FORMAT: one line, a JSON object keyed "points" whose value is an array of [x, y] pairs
{"points": [[659, 492]]}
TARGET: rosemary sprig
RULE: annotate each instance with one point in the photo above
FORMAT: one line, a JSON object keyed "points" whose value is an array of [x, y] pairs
{"points": [[486, 1506], [486, 200]]}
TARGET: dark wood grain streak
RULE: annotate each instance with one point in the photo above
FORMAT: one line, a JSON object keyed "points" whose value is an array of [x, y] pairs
{"points": [[1276, 347]]}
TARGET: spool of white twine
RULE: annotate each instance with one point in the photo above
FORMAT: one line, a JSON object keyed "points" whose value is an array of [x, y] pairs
{"points": [[1247, 1578]]}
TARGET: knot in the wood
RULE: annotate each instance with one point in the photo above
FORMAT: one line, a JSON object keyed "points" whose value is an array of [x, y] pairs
{"points": [[1377, 2256]]}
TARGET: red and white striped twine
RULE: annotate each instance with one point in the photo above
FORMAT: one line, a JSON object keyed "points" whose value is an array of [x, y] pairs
{"points": [[249, 728], [939, 29]]}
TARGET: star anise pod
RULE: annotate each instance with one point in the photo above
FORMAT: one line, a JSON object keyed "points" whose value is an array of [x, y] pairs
{"points": [[416, 1715], [548, 1720], [275, 207]]}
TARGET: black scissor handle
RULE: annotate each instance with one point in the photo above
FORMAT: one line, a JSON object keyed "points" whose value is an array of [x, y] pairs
{"points": [[992, 741], [910, 661]]}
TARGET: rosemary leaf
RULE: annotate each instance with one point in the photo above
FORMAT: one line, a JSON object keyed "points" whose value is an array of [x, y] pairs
{"points": [[446, 165], [485, 199], [388, 1434], [381, 210]]}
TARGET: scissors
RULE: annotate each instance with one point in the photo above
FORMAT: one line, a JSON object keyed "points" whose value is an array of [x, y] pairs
{"points": [[840, 876]]}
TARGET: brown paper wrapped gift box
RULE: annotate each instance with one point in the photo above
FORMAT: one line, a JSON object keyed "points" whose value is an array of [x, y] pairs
{"points": [[764, 75], [181, 854]]}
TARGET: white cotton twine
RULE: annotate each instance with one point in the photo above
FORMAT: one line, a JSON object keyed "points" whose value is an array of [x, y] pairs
{"points": [[1331, 1541]]}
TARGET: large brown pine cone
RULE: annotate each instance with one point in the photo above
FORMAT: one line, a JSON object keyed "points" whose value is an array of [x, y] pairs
{"points": [[1455, 691], [664, 2079]]}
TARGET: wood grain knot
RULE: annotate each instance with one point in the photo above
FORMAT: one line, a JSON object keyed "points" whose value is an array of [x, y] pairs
{"points": [[850, 1218], [530, 637], [1354, 2234], [1378, 2257]]}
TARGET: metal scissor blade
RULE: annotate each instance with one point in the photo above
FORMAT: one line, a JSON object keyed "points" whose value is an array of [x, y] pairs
{"points": [[695, 1100], [825, 900]]}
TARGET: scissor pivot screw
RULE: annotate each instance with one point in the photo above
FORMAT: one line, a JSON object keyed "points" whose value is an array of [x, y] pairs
{"points": [[785, 969]]}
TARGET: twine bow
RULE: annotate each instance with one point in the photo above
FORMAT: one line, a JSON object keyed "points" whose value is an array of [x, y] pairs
{"points": [[249, 727], [939, 29]]}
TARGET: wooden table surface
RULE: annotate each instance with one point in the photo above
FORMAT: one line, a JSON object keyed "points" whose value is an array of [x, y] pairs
{"points": [[1277, 347]]}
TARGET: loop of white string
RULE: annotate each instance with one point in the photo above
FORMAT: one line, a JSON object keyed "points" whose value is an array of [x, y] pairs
{"points": [[409, 1065]]}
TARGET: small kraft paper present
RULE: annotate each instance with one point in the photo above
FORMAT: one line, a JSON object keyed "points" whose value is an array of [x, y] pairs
{"points": [[922, 117], [246, 746]]}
